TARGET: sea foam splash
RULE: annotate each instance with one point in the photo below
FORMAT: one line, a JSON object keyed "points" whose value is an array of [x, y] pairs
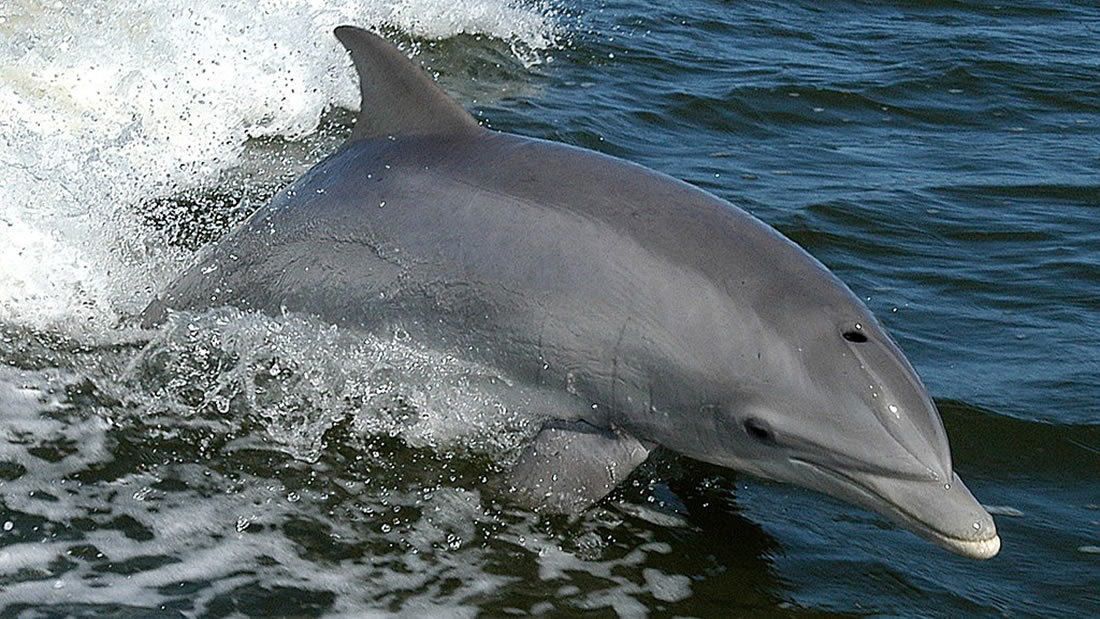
{"points": [[112, 104], [147, 472], [298, 378]]}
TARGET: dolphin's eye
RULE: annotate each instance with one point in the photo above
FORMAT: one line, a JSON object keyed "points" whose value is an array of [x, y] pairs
{"points": [[759, 430], [854, 336]]}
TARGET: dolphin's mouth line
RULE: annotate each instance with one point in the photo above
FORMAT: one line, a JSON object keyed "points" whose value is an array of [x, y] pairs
{"points": [[981, 547]]}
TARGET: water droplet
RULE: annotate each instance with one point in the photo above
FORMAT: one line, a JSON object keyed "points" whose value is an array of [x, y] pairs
{"points": [[382, 204], [977, 526], [9, 525], [293, 497], [947, 486], [386, 528]]}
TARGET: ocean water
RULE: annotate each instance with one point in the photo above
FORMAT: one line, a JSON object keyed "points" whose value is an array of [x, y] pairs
{"points": [[942, 158]]}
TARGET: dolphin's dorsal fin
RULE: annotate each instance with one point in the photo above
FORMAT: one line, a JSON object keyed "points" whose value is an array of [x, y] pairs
{"points": [[398, 97]]}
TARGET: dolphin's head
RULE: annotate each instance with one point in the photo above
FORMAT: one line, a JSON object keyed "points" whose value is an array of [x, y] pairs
{"points": [[840, 410]]}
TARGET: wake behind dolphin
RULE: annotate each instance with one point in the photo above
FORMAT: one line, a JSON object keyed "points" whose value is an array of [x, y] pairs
{"points": [[647, 312]]}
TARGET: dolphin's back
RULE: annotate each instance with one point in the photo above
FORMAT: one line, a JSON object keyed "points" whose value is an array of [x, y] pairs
{"points": [[501, 240], [441, 202]]}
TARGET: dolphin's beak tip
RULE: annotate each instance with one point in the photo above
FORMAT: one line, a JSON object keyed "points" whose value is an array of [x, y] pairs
{"points": [[994, 546], [975, 548], [980, 549]]}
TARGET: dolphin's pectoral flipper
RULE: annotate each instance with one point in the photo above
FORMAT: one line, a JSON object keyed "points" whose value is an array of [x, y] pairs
{"points": [[569, 467]]}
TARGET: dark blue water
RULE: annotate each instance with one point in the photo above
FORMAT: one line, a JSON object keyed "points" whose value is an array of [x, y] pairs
{"points": [[942, 158]]}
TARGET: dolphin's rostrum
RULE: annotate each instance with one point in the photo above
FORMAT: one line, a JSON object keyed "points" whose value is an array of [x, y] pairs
{"points": [[647, 311]]}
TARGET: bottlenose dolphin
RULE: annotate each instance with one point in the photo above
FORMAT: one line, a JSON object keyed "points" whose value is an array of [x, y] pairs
{"points": [[647, 311]]}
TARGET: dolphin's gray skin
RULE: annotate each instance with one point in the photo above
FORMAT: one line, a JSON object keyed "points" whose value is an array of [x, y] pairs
{"points": [[648, 312]]}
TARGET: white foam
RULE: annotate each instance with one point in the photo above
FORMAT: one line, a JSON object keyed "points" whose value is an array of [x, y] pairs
{"points": [[667, 587], [111, 104], [194, 530], [108, 104], [300, 377], [425, 548]]}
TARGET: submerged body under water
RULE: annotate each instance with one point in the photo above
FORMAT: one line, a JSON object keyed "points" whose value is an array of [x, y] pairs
{"points": [[940, 159]]}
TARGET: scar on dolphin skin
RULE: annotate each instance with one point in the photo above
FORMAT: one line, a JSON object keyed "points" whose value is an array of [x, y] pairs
{"points": [[557, 248]]}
